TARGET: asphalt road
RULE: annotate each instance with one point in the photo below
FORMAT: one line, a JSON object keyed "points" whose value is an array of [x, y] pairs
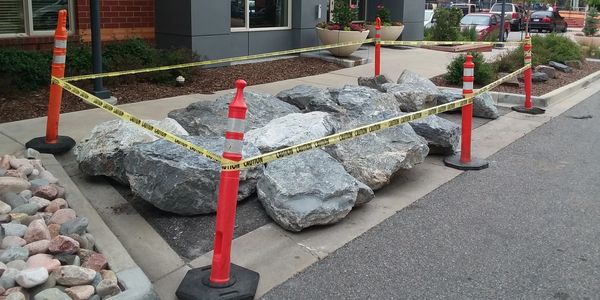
{"points": [[526, 228]]}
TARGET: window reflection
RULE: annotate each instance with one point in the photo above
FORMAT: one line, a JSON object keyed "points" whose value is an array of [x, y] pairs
{"points": [[238, 13], [45, 13], [268, 13]]}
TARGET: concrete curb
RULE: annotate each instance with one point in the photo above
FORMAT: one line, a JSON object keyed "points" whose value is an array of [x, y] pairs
{"points": [[135, 283], [546, 99]]}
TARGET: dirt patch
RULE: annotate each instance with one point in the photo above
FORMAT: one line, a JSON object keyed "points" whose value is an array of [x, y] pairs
{"points": [[537, 89], [26, 105]]}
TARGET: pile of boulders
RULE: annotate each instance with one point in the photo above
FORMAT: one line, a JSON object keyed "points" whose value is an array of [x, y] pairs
{"points": [[543, 73], [45, 252], [314, 188]]}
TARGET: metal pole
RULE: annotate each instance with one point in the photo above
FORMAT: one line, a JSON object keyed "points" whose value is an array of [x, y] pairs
{"points": [[99, 90], [502, 16]]}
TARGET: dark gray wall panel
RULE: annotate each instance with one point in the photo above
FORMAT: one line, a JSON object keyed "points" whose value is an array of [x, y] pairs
{"points": [[172, 17], [210, 17], [305, 38], [168, 41], [268, 41], [220, 46], [305, 13]]}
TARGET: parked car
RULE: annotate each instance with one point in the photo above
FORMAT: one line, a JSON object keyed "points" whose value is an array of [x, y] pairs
{"points": [[513, 12], [428, 18], [547, 21], [485, 24]]}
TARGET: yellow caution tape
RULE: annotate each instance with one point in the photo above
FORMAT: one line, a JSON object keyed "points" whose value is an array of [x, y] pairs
{"points": [[229, 165], [360, 131], [436, 43], [215, 61], [91, 99]]}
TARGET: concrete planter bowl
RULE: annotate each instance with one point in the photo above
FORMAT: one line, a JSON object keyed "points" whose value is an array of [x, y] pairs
{"points": [[339, 36], [590, 41], [388, 33]]}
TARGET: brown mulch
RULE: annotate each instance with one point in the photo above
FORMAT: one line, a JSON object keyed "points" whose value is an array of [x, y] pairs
{"points": [[537, 89], [25, 105]]}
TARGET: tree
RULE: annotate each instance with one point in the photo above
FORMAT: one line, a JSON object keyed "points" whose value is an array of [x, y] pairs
{"points": [[591, 23]]}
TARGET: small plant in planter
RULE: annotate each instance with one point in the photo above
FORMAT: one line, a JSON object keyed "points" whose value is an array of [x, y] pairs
{"points": [[590, 30], [342, 29], [390, 30]]}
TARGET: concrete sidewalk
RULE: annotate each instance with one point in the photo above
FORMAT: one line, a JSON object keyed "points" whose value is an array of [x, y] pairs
{"points": [[273, 252]]}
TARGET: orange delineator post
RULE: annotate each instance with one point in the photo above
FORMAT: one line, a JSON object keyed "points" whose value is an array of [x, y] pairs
{"points": [[224, 279], [58, 70], [528, 73], [528, 107], [377, 46], [52, 142], [464, 161]]}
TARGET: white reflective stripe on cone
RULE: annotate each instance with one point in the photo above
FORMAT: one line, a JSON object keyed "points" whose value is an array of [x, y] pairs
{"points": [[467, 85], [233, 146], [469, 72], [59, 59], [236, 125], [61, 44]]}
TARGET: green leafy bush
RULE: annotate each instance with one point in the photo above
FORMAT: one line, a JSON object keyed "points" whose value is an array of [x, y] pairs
{"points": [[469, 34], [24, 70], [447, 24], [554, 47], [591, 23], [27, 70], [484, 72], [510, 61]]}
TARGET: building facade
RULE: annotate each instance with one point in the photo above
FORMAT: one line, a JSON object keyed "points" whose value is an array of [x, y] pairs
{"points": [[217, 29]]}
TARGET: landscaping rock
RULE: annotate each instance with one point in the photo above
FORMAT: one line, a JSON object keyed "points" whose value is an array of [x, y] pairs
{"points": [[13, 199], [483, 105], [361, 102], [411, 97], [192, 182], [27, 208], [56, 204], [14, 229], [38, 247], [40, 202], [443, 136], [63, 244], [206, 118], [42, 260], [14, 253], [62, 216], [49, 192], [511, 82], [80, 292], [7, 280], [12, 241], [13, 184], [550, 71], [4, 208], [575, 64], [107, 288], [96, 262], [291, 130], [29, 278], [51, 294], [306, 190], [102, 152], [561, 67], [309, 98], [376, 157], [539, 77], [17, 264], [15, 295], [73, 275], [375, 82], [77, 226]]}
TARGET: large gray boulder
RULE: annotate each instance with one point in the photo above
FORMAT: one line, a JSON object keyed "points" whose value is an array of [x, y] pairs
{"points": [[483, 105], [364, 102], [103, 151], [210, 118], [411, 97], [178, 180], [375, 82], [412, 78], [443, 136], [309, 189], [376, 158], [291, 130], [309, 98]]}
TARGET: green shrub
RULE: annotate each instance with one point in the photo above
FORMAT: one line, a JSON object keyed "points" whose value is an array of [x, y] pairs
{"points": [[554, 47], [469, 34], [484, 73], [24, 70], [79, 60], [510, 61], [447, 24], [591, 23]]}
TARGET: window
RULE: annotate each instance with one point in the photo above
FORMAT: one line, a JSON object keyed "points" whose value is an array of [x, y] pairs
{"points": [[260, 14], [32, 17]]}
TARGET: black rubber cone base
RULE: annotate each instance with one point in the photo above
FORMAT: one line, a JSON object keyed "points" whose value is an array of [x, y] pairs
{"points": [[531, 111], [475, 163], [196, 285], [63, 144]]}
